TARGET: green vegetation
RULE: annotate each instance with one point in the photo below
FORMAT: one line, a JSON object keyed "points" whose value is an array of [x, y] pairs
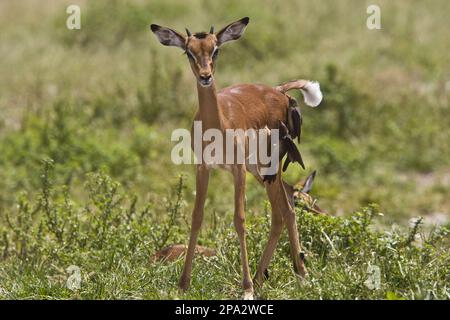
{"points": [[112, 240], [85, 171]]}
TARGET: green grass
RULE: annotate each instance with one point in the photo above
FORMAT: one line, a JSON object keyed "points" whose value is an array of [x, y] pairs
{"points": [[111, 239], [85, 171]]}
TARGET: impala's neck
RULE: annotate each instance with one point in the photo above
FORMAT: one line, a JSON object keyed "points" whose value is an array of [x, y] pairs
{"points": [[209, 111]]}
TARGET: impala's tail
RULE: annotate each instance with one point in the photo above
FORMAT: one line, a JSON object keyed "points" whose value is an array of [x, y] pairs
{"points": [[310, 90]]}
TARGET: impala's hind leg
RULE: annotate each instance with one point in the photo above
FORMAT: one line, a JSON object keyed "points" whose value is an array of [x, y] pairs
{"points": [[197, 218], [282, 212], [275, 232]]}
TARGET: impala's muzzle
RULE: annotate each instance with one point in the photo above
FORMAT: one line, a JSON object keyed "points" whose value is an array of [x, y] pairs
{"points": [[205, 80]]}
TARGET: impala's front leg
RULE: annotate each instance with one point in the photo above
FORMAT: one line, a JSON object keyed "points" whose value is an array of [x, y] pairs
{"points": [[197, 218], [239, 223]]}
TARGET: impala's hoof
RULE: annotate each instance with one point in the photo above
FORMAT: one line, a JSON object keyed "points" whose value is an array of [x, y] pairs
{"points": [[248, 295], [266, 274], [182, 289], [183, 285]]}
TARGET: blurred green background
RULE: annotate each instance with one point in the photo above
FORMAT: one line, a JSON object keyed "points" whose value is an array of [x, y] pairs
{"points": [[109, 96]]}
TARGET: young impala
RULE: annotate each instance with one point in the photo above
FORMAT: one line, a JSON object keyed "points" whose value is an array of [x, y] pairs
{"points": [[242, 106]]}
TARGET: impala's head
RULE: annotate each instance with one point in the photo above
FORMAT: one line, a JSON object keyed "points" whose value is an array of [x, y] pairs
{"points": [[201, 48], [301, 196]]}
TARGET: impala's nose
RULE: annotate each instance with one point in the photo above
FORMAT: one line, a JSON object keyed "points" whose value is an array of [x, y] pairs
{"points": [[205, 80]]}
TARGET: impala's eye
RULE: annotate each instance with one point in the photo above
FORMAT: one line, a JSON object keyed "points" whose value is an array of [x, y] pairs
{"points": [[190, 55], [215, 53]]}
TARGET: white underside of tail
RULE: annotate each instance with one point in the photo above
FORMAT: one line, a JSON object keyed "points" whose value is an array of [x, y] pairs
{"points": [[312, 94]]}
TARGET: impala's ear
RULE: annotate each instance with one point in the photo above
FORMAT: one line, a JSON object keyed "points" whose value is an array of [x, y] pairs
{"points": [[169, 37], [309, 182], [233, 31]]}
